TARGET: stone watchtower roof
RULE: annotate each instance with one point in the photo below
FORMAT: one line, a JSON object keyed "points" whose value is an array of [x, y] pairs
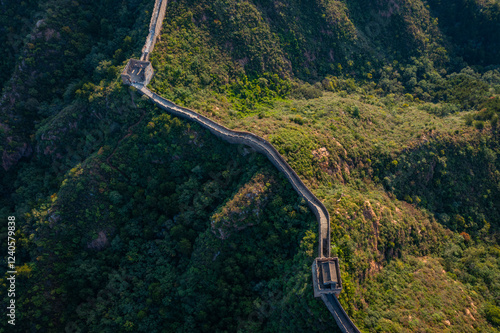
{"points": [[326, 276], [137, 70]]}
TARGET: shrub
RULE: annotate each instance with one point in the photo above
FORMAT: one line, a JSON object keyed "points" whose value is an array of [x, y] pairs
{"points": [[466, 236], [493, 315], [307, 91], [298, 119], [355, 112]]}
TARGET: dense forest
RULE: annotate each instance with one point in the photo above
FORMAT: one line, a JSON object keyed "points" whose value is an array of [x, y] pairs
{"points": [[131, 220]]}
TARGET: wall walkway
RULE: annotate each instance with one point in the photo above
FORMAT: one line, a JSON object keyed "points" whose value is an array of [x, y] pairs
{"points": [[154, 28]]}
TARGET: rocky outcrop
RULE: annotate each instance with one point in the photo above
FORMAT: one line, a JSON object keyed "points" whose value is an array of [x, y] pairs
{"points": [[10, 159]]}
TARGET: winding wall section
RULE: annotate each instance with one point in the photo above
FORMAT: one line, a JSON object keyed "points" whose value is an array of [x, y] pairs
{"points": [[154, 28], [260, 145], [343, 321]]}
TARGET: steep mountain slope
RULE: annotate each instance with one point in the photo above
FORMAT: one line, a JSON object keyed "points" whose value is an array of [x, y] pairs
{"points": [[132, 220]]}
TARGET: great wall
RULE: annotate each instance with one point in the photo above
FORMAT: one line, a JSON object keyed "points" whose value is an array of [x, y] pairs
{"points": [[327, 283]]}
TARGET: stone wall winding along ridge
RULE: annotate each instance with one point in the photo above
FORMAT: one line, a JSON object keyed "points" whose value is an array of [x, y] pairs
{"points": [[343, 321], [260, 145]]}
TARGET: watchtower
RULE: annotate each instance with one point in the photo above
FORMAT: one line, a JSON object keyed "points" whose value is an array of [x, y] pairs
{"points": [[138, 72], [326, 276]]}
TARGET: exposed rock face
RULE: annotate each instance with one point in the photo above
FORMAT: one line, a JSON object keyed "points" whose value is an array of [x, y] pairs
{"points": [[369, 215], [99, 243], [243, 210], [333, 162], [11, 159], [322, 155], [374, 268], [368, 212], [342, 149]]}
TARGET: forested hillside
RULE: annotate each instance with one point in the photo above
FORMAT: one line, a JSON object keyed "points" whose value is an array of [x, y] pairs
{"points": [[131, 220]]}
